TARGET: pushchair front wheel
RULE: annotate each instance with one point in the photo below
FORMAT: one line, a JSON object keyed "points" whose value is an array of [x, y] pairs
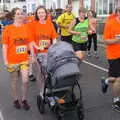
{"points": [[40, 104], [80, 110]]}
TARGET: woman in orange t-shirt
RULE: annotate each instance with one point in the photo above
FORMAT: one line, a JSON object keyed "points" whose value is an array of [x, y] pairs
{"points": [[43, 30], [16, 40], [44, 35]]}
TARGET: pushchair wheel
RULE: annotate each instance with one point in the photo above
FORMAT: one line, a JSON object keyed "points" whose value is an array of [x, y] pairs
{"points": [[40, 104], [60, 115], [80, 110], [60, 118]]}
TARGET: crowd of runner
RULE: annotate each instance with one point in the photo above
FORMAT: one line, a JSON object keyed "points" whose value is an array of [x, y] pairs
{"points": [[26, 36]]}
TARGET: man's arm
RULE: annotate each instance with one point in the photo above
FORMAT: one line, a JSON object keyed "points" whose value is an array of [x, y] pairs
{"points": [[60, 20], [112, 41], [71, 28]]}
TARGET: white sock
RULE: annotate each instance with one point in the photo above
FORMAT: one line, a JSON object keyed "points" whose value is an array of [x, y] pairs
{"points": [[107, 81], [30, 70], [41, 92], [115, 99]]}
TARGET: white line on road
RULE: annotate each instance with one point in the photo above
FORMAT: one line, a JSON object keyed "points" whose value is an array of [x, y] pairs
{"points": [[1, 116], [96, 66]]}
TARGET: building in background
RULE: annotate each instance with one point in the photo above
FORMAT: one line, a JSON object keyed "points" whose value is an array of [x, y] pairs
{"points": [[30, 5], [54, 4], [26, 5], [102, 7]]}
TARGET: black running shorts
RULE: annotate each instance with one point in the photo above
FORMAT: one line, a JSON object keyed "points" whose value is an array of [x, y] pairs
{"points": [[79, 46], [114, 68]]}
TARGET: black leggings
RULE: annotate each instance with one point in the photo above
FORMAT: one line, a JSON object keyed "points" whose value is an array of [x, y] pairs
{"points": [[94, 37]]}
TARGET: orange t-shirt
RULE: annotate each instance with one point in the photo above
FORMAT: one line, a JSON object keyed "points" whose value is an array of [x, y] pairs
{"points": [[112, 28], [17, 39], [43, 34], [30, 18], [111, 16]]}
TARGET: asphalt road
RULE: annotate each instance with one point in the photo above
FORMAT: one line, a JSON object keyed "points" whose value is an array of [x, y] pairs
{"points": [[97, 105]]}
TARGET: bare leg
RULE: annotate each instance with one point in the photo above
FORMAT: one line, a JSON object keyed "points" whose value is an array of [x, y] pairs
{"points": [[116, 88], [14, 78], [24, 74], [80, 54]]}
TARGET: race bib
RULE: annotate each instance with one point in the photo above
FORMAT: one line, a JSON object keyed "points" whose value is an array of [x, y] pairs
{"points": [[84, 36], [44, 44], [21, 49]]}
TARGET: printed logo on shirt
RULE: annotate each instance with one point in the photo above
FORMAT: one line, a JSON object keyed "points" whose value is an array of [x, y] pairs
{"points": [[44, 44], [21, 49], [20, 41], [43, 37]]}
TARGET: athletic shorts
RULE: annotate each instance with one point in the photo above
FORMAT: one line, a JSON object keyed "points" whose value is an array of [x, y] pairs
{"points": [[79, 46], [67, 39], [114, 68], [18, 67]]}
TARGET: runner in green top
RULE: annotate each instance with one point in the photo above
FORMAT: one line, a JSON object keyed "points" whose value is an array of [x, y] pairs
{"points": [[79, 28]]}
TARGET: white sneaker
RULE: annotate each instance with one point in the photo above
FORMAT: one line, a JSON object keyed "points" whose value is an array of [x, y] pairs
{"points": [[96, 54], [41, 94]]}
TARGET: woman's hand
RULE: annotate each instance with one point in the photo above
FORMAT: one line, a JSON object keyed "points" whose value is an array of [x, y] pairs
{"points": [[32, 59], [6, 63], [90, 32]]}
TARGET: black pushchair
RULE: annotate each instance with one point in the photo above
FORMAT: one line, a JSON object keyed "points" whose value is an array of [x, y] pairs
{"points": [[62, 91]]}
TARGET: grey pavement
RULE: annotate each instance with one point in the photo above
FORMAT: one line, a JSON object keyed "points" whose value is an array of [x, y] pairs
{"points": [[97, 105]]}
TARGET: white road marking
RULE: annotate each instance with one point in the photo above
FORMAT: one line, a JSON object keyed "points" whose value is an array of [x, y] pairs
{"points": [[1, 116], [96, 66]]}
